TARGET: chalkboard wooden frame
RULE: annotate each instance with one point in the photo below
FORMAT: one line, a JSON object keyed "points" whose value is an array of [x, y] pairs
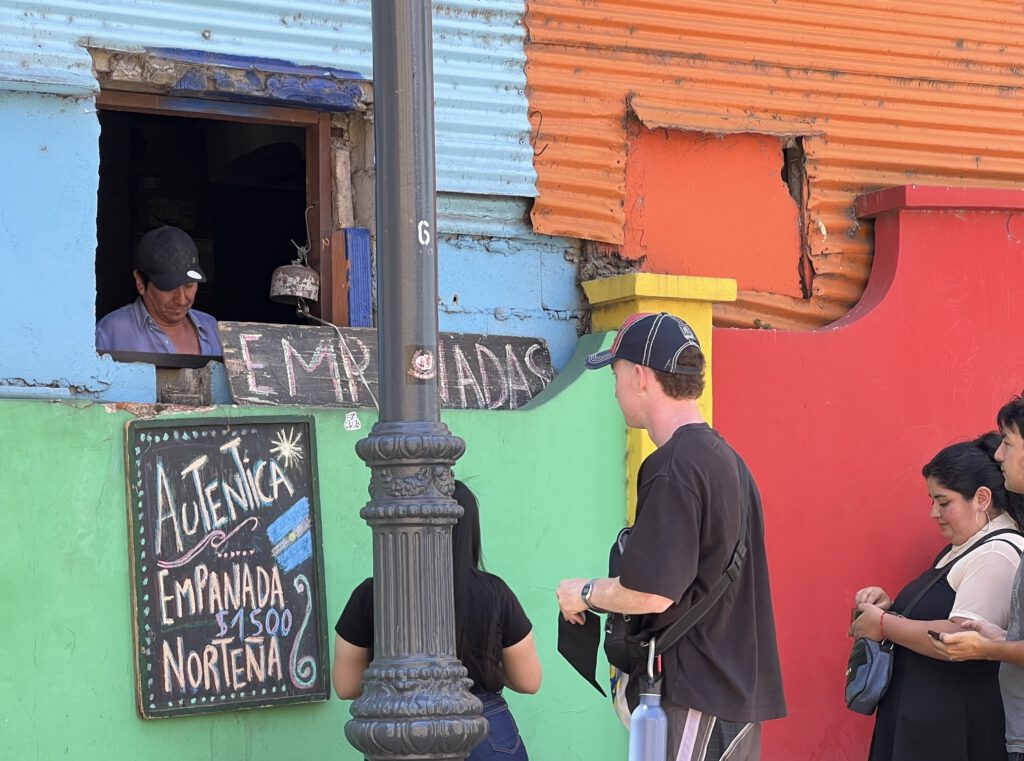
{"points": [[293, 535]]}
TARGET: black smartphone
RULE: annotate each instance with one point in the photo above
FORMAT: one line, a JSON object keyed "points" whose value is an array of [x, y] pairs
{"points": [[935, 635]]}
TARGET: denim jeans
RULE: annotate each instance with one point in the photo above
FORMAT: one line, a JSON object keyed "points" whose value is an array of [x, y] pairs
{"points": [[503, 742]]}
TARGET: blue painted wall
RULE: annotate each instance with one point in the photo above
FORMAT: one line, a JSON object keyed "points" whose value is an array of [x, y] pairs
{"points": [[497, 276], [50, 159]]}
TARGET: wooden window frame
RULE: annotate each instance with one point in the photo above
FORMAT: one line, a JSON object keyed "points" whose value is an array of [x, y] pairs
{"points": [[325, 256]]}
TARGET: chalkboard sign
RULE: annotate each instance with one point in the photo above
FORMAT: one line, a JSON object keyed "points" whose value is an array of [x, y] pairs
{"points": [[317, 365], [227, 588]]}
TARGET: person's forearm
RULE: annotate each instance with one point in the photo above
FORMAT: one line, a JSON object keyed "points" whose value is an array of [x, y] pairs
{"points": [[1008, 651], [610, 595], [913, 634]]}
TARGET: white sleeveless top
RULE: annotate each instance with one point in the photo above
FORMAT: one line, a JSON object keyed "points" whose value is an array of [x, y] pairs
{"points": [[982, 581]]}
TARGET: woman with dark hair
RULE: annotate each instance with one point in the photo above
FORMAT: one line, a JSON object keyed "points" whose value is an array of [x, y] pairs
{"points": [[935, 708], [493, 637]]}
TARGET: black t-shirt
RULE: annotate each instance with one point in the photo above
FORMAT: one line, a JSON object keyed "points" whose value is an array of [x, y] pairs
{"points": [[488, 597], [687, 525]]}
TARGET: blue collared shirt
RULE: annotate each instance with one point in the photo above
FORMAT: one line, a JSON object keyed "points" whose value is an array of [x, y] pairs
{"points": [[131, 328]]}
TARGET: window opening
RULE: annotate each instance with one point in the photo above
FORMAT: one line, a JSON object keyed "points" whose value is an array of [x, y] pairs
{"points": [[239, 189]]}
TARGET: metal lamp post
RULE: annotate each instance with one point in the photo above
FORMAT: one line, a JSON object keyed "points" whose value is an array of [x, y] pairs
{"points": [[415, 703]]}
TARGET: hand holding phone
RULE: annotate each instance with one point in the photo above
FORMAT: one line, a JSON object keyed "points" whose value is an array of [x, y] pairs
{"points": [[935, 635]]}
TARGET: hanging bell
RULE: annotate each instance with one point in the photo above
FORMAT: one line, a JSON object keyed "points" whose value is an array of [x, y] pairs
{"points": [[294, 283]]}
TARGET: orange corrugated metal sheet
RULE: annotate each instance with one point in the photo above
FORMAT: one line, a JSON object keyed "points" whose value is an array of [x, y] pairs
{"points": [[924, 91]]}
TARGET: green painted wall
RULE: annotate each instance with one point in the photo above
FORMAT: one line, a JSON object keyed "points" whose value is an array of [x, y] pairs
{"points": [[551, 482]]}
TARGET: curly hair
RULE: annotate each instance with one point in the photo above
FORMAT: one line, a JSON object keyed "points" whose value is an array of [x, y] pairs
{"points": [[684, 385]]}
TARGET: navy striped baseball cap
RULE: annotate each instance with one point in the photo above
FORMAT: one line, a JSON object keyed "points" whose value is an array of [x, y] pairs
{"points": [[654, 340]]}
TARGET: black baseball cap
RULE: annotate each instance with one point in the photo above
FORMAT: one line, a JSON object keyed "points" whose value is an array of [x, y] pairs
{"points": [[653, 340], [169, 258]]}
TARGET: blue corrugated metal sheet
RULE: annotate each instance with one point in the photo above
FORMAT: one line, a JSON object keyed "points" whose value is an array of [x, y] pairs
{"points": [[480, 96], [483, 143]]}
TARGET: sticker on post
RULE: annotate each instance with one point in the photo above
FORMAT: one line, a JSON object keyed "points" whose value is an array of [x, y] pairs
{"points": [[422, 363]]}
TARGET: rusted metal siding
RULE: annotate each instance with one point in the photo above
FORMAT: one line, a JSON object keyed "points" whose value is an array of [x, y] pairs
{"points": [[483, 134], [886, 93]]}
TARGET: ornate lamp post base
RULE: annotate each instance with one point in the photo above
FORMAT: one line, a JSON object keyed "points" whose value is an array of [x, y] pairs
{"points": [[416, 702], [416, 711]]}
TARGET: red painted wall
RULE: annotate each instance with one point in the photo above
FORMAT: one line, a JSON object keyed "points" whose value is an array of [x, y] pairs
{"points": [[712, 205], [837, 423]]}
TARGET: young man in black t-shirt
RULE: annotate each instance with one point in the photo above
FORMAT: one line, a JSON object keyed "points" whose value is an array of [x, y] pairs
{"points": [[722, 679]]}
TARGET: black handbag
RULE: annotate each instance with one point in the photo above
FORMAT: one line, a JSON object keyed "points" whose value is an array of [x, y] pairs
{"points": [[626, 643], [869, 668]]}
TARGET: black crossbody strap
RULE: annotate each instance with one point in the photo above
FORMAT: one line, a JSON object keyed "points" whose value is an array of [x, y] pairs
{"points": [[944, 571], [675, 631]]}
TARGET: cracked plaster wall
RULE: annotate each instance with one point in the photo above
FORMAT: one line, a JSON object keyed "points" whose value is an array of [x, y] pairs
{"points": [[48, 236]]}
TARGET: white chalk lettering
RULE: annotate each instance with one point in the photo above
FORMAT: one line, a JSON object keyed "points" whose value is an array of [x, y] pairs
{"points": [[203, 592], [240, 478], [442, 372], [514, 372], [164, 597], [464, 378], [184, 597], [174, 665], [482, 354], [165, 508], [250, 366], [264, 498], [354, 369], [278, 477], [324, 352], [198, 508], [214, 504], [534, 368], [234, 498]]}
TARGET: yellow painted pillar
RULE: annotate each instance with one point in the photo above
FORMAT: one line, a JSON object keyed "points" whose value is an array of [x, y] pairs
{"points": [[614, 299]]}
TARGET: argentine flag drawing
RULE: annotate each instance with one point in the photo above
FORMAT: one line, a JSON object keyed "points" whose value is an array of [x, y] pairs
{"points": [[290, 537]]}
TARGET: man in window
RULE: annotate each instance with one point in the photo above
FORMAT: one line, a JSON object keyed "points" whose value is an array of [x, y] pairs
{"points": [[162, 319]]}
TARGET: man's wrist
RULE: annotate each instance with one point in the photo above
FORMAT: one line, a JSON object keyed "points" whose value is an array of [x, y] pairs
{"points": [[587, 593], [993, 649]]}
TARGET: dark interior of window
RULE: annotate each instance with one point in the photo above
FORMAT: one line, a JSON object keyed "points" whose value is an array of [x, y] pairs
{"points": [[238, 188]]}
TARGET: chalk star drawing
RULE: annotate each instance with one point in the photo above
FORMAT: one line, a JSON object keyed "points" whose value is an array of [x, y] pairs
{"points": [[288, 448]]}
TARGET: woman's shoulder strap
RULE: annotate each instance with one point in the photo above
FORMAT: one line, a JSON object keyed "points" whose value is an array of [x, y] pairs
{"points": [[1001, 536], [995, 536], [941, 555]]}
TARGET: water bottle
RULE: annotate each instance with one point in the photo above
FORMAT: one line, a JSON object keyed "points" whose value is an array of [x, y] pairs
{"points": [[648, 725]]}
